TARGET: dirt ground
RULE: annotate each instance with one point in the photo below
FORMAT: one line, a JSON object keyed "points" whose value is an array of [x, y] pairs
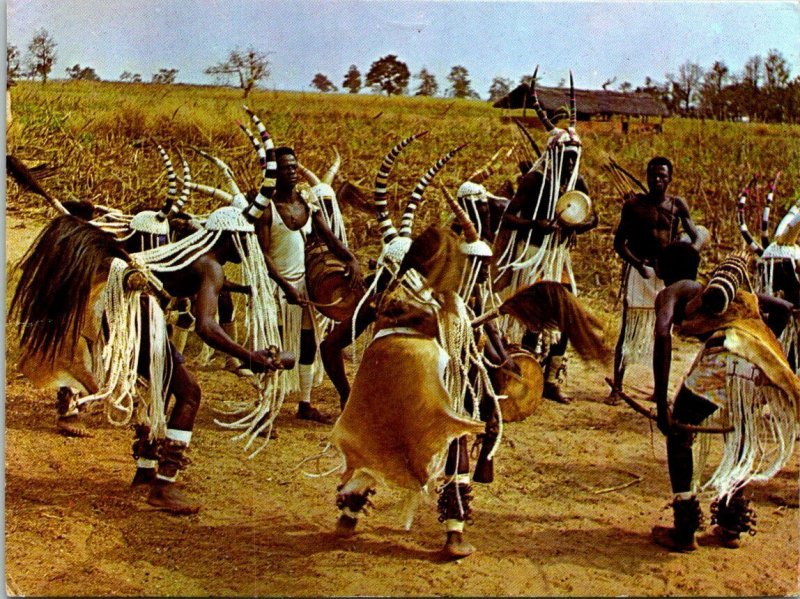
{"points": [[577, 490]]}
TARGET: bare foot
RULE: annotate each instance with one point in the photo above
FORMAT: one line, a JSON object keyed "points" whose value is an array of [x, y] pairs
{"points": [[346, 526], [166, 497], [456, 547], [305, 411], [71, 426], [666, 537], [143, 476]]}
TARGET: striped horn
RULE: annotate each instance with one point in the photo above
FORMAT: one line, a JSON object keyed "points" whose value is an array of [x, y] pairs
{"points": [[308, 174], [262, 154], [407, 222], [486, 171], [226, 170], [537, 106], [186, 191], [790, 233], [256, 209], [388, 232], [767, 206], [172, 189], [215, 193], [470, 232], [337, 162], [740, 215], [573, 109], [262, 130], [790, 214]]}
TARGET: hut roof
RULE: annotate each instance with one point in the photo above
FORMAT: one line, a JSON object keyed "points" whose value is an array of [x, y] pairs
{"points": [[588, 101]]}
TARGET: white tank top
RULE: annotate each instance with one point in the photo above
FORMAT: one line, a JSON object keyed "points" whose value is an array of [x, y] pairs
{"points": [[287, 247]]}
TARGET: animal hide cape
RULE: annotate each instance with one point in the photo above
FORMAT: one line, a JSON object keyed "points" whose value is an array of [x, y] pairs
{"points": [[397, 418]]}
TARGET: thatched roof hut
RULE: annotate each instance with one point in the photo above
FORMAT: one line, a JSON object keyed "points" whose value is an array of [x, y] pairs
{"points": [[589, 102]]}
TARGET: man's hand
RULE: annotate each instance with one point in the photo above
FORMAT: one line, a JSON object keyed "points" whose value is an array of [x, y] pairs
{"points": [[293, 296], [271, 359], [647, 272], [354, 274]]}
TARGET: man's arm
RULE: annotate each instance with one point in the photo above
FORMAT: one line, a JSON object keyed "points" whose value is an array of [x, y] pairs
{"points": [[775, 312], [621, 243], [662, 353], [697, 237]]}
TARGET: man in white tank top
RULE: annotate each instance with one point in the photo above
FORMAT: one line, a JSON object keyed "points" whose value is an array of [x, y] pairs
{"points": [[283, 233]]}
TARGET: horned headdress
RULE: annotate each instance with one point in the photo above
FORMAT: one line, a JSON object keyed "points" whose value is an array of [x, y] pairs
{"points": [[326, 196]]}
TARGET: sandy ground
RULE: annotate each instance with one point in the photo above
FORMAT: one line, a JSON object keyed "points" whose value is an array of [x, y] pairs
{"points": [[577, 490]]}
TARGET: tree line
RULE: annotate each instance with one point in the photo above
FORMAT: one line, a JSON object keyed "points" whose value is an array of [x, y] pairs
{"points": [[763, 91]]}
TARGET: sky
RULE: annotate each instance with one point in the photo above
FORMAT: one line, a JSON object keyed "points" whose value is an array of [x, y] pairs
{"points": [[597, 40]]}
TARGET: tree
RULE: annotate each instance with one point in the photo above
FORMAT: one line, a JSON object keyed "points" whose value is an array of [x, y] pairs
{"points": [[323, 84], [460, 85], [352, 80], [12, 63], [41, 55], [625, 87], [776, 70], [686, 84], [82, 73], [712, 101], [427, 83], [165, 76], [388, 74], [500, 88], [250, 66], [130, 77]]}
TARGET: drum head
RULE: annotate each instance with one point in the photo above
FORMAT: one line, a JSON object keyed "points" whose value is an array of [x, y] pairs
{"points": [[524, 390], [574, 208]]}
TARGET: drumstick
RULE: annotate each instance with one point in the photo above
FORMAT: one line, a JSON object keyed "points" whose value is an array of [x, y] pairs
{"points": [[308, 302]]}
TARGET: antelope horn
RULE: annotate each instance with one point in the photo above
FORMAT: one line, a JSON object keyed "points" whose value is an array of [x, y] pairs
{"points": [[527, 135], [388, 232], [407, 222], [309, 176], [470, 232], [767, 206], [262, 130], [262, 154], [790, 214], [337, 162], [483, 173], [186, 191], [172, 189], [538, 107], [211, 191], [256, 209], [573, 110], [226, 170], [740, 216]]}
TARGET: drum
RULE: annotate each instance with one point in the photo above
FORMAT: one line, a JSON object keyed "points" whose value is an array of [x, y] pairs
{"points": [[327, 285], [573, 208], [524, 390]]}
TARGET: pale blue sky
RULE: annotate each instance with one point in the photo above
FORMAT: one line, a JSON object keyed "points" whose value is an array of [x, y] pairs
{"points": [[597, 40]]}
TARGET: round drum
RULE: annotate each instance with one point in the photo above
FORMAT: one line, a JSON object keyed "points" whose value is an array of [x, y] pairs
{"points": [[328, 286], [524, 390], [574, 208]]}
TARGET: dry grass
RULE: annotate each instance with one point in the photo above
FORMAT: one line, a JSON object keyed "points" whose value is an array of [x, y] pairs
{"points": [[96, 141]]}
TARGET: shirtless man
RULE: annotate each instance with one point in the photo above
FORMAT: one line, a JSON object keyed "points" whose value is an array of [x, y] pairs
{"points": [[649, 222], [283, 232]]}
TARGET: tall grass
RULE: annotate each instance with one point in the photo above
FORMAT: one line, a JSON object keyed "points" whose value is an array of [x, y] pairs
{"points": [[96, 139]]}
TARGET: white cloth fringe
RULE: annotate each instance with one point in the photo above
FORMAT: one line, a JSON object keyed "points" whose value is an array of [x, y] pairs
{"points": [[765, 429]]}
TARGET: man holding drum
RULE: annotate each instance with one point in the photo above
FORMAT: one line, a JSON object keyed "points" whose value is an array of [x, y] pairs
{"points": [[292, 223], [648, 223]]}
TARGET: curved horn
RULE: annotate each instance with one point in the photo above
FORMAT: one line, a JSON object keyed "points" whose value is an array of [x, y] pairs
{"points": [[748, 238], [172, 189], [337, 162], [407, 222], [262, 130], [527, 135], [186, 190], [254, 211], [470, 232], [215, 193], [573, 110], [388, 232], [790, 233], [538, 107], [309, 176], [262, 154], [483, 173], [787, 218], [226, 170]]}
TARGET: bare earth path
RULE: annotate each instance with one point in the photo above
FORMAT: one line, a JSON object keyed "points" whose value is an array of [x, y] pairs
{"points": [[548, 525]]}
